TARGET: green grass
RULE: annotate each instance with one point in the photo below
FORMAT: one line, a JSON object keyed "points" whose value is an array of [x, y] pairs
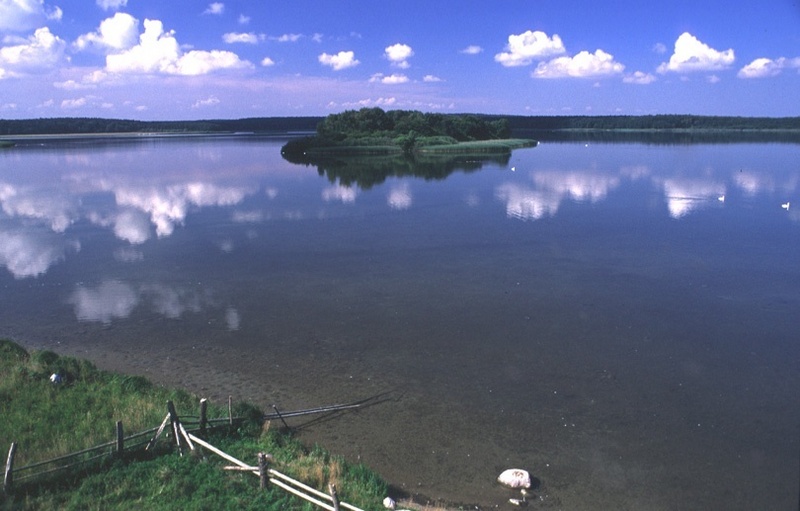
{"points": [[479, 146], [49, 420]]}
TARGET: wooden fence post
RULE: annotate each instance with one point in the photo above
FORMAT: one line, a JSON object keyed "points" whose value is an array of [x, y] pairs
{"points": [[334, 496], [203, 415], [120, 440], [176, 432], [263, 469], [230, 410], [8, 480]]}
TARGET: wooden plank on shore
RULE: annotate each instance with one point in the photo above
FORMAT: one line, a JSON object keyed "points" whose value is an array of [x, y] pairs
{"points": [[297, 483], [158, 433], [218, 452], [237, 468], [186, 436], [8, 479], [176, 426]]}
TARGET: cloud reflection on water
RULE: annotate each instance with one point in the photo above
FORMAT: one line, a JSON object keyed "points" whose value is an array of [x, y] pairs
{"points": [[399, 196], [526, 203], [550, 188], [344, 194], [686, 195], [30, 253], [113, 299], [168, 206], [49, 206], [134, 201]]}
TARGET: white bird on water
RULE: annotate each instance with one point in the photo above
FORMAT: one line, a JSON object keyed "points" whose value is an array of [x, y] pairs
{"points": [[786, 205]]}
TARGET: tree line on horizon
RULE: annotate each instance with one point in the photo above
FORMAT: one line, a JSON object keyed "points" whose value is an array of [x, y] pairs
{"points": [[422, 123]]}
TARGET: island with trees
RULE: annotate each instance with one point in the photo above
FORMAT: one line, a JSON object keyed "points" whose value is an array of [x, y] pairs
{"points": [[373, 131]]}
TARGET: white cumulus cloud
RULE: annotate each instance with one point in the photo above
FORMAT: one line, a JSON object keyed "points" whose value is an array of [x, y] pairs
{"points": [[582, 65], [288, 38], [472, 49], [23, 15], [209, 101], [764, 67], [398, 54], [116, 33], [639, 78], [267, 62], [41, 51], [107, 5], [341, 60], [392, 79], [523, 49], [159, 52], [69, 104], [215, 8], [239, 37], [660, 48], [690, 54], [369, 102]]}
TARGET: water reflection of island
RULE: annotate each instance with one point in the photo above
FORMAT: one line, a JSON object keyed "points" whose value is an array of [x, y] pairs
{"points": [[368, 171]]}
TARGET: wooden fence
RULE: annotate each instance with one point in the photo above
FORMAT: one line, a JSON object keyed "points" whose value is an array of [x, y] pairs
{"points": [[183, 438]]}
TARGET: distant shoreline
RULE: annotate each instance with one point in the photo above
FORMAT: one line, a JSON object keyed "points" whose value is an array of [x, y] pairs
{"points": [[261, 125]]}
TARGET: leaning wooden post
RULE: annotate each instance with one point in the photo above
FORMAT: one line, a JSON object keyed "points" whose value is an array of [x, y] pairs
{"points": [[230, 410], [120, 440], [203, 415], [8, 480], [263, 469], [176, 431], [334, 496]]}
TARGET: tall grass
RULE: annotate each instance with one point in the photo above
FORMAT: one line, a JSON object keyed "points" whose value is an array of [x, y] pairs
{"points": [[480, 146], [49, 420]]}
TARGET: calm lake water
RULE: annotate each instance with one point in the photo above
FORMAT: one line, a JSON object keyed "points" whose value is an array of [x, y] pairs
{"points": [[619, 319]]}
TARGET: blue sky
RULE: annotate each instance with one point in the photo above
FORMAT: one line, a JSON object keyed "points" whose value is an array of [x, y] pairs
{"points": [[180, 59]]}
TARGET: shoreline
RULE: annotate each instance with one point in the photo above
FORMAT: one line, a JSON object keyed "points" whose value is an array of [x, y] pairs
{"points": [[218, 382]]}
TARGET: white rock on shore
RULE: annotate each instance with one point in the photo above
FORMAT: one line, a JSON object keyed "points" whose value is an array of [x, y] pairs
{"points": [[515, 478]]}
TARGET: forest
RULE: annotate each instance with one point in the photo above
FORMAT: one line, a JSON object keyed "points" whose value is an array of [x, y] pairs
{"points": [[91, 125], [457, 125]]}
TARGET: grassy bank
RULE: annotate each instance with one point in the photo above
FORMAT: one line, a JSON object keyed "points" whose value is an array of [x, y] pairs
{"points": [[48, 421], [479, 146]]}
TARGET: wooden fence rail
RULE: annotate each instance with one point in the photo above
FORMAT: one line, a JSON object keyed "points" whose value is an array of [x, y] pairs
{"points": [[280, 480], [181, 436]]}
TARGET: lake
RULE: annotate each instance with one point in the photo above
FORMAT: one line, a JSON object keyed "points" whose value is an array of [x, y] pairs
{"points": [[620, 319]]}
